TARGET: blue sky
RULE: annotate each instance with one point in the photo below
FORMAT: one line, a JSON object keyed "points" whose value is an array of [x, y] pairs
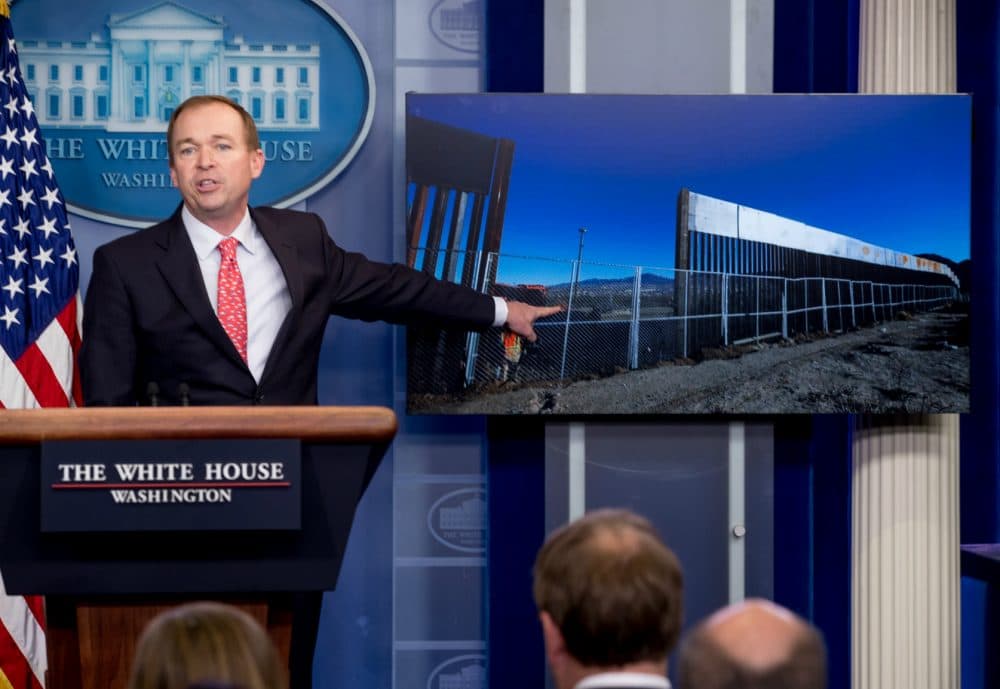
{"points": [[890, 170]]}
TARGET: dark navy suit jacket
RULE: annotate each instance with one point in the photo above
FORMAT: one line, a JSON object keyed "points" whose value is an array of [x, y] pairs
{"points": [[147, 316]]}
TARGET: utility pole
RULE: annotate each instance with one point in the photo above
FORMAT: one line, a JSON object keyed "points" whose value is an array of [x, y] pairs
{"points": [[569, 305]]}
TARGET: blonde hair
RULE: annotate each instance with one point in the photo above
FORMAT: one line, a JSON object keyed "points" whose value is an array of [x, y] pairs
{"points": [[209, 644]]}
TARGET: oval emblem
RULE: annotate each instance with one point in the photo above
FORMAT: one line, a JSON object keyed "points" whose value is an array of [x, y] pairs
{"points": [[458, 520], [105, 76], [457, 23], [467, 670]]}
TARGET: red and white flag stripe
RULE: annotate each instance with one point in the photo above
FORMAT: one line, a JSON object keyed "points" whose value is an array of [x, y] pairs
{"points": [[45, 375], [22, 641]]}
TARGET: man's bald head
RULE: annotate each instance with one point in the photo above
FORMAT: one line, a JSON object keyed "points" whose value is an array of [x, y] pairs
{"points": [[753, 645]]}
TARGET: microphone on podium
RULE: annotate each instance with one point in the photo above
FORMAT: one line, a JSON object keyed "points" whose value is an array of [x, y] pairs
{"points": [[153, 393]]}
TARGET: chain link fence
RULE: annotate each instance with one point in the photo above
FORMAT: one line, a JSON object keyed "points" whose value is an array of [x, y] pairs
{"points": [[618, 318]]}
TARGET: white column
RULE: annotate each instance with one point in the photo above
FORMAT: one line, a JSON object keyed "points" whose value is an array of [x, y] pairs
{"points": [[907, 46], [186, 72], [905, 629], [117, 91], [152, 83], [905, 554]]}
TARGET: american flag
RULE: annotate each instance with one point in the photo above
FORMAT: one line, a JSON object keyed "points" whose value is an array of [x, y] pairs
{"points": [[39, 317]]}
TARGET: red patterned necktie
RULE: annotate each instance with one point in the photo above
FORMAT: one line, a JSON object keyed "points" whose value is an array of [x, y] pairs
{"points": [[232, 299]]}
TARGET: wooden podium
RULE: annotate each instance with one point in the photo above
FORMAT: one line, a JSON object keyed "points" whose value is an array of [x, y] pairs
{"points": [[102, 587]]}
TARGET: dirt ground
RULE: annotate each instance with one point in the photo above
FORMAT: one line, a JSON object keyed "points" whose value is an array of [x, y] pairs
{"points": [[914, 364]]}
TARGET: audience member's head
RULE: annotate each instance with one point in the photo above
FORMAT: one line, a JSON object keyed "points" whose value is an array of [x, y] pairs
{"points": [[609, 596], [206, 645], [753, 645]]}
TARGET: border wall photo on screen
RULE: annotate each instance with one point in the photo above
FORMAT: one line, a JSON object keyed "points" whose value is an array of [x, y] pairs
{"points": [[712, 254]]}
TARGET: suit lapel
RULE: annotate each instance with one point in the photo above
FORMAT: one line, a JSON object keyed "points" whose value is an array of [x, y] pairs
{"points": [[288, 258], [286, 253], [179, 266]]}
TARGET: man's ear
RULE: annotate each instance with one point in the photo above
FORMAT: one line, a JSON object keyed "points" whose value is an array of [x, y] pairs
{"points": [[555, 645], [256, 163]]}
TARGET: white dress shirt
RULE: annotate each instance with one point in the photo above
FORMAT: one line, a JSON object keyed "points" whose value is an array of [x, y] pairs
{"points": [[499, 312], [268, 299], [624, 679]]}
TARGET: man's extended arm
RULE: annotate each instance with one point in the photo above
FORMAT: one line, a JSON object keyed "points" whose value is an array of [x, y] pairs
{"points": [[393, 292]]}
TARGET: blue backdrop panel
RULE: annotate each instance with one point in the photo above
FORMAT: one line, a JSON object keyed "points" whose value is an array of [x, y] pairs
{"points": [[816, 46], [978, 73], [516, 486]]}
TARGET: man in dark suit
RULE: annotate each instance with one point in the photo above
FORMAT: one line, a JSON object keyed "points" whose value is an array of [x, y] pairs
{"points": [[754, 644], [151, 321], [609, 596], [226, 304]]}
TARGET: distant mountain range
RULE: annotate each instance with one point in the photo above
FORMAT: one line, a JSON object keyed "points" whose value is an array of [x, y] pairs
{"points": [[648, 280]]}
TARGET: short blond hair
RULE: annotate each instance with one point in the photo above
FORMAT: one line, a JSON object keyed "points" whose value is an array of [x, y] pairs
{"points": [[206, 643]]}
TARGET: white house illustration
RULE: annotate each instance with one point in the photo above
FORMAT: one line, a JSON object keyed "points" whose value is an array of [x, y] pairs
{"points": [[464, 17], [469, 677], [155, 58], [470, 515]]}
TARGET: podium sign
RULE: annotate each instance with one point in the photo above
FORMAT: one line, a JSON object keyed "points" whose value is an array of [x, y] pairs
{"points": [[171, 485], [107, 567]]}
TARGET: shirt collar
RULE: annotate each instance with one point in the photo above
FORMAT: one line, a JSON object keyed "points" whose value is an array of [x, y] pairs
{"points": [[638, 680], [206, 240]]}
